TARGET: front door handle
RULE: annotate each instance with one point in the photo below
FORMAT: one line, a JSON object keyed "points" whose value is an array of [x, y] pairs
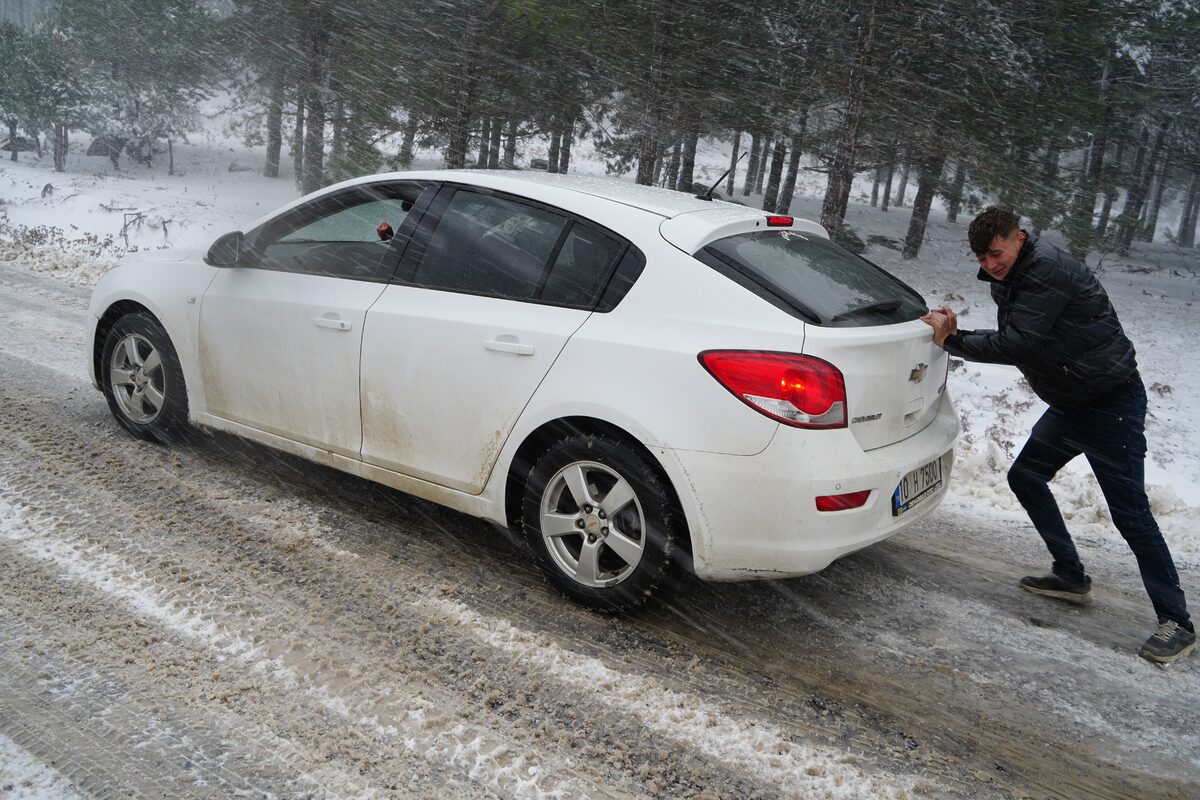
{"points": [[335, 322], [509, 344]]}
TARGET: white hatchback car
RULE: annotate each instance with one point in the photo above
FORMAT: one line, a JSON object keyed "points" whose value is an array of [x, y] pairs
{"points": [[619, 373]]}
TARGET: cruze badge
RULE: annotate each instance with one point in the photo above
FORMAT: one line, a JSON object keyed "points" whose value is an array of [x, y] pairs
{"points": [[918, 374]]}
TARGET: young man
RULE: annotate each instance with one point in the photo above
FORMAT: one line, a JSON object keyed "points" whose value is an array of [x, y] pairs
{"points": [[1057, 326]]}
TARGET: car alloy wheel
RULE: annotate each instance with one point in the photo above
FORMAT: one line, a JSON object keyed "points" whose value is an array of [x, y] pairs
{"points": [[592, 524], [599, 517], [142, 379], [135, 376]]}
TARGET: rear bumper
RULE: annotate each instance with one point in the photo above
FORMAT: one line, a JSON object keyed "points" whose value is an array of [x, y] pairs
{"points": [[756, 516]]}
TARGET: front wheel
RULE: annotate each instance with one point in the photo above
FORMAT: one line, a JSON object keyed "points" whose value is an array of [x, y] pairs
{"points": [[599, 519], [142, 379]]}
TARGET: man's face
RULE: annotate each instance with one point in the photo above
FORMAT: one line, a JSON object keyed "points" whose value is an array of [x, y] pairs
{"points": [[1001, 254]]}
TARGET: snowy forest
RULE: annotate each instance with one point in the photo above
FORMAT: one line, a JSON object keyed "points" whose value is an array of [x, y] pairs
{"points": [[1083, 114]]}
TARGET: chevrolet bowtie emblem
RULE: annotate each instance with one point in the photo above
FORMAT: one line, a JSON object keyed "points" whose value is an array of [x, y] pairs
{"points": [[918, 373]]}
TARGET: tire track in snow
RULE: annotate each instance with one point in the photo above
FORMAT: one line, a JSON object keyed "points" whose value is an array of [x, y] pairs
{"points": [[493, 764]]}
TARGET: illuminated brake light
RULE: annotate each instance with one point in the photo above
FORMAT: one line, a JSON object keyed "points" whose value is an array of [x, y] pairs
{"points": [[801, 391], [841, 502], [780, 221]]}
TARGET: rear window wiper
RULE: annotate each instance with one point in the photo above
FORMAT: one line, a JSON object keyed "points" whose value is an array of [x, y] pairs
{"points": [[882, 305]]}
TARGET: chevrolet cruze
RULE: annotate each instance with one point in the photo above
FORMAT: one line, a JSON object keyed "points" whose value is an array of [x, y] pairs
{"points": [[629, 377]]}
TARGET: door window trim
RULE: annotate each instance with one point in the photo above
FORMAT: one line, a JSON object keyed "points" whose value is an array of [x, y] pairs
{"points": [[290, 221]]}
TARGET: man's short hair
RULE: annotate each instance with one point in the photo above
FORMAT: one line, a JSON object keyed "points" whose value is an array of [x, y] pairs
{"points": [[993, 221]]}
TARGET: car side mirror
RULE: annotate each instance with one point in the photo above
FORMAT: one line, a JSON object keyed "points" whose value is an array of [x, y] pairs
{"points": [[225, 251]]}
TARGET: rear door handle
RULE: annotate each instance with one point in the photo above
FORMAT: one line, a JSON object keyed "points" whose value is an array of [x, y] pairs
{"points": [[509, 344], [337, 323]]}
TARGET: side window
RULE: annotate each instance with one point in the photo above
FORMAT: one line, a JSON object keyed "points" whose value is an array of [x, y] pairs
{"points": [[582, 267], [357, 223], [490, 245], [338, 235]]}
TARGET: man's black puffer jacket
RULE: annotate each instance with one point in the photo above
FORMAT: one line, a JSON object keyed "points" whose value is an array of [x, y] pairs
{"points": [[1056, 325]]}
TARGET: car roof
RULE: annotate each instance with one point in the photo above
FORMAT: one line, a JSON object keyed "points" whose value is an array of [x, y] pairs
{"points": [[662, 202], [687, 221]]}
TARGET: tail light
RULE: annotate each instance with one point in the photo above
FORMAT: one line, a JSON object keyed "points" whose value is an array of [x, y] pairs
{"points": [[801, 391]]}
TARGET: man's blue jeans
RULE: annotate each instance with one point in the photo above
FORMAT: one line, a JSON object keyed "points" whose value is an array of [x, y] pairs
{"points": [[1111, 434]]}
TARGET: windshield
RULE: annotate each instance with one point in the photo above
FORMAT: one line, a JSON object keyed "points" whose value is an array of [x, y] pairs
{"points": [[813, 278]]}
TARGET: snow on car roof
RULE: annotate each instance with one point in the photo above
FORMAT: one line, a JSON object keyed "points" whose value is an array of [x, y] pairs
{"points": [[663, 202], [569, 190]]}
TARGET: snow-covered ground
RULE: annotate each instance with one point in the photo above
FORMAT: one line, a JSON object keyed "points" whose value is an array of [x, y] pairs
{"points": [[768, 707]]}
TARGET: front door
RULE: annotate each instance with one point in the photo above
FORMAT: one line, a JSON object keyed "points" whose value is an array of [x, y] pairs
{"points": [[280, 337]]}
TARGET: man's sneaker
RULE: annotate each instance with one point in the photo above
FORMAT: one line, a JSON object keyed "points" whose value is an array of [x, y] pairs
{"points": [[1170, 642], [1079, 592]]}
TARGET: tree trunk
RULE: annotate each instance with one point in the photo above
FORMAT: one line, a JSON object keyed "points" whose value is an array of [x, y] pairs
{"points": [[1128, 221], [672, 176], [1187, 221], [841, 169], [12, 139], [1043, 211], [1106, 207], [789, 182], [659, 164], [274, 128], [886, 200], [752, 165], [314, 124], [761, 177], [954, 201], [510, 145], [1160, 183], [647, 156], [337, 148], [687, 163], [552, 156], [298, 142], [1079, 223], [1079, 229], [564, 149], [927, 185], [60, 148], [493, 161], [170, 158], [485, 137], [903, 187], [733, 160], [771, 199], [1192, 222], [406, 145], [875, 186], [465, 84]]}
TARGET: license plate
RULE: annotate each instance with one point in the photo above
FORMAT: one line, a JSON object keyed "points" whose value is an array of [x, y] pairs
{"points": [[917, 487]]}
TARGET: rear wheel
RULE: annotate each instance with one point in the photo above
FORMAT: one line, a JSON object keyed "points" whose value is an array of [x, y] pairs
{"points": [[142, 379], [599, 519]]}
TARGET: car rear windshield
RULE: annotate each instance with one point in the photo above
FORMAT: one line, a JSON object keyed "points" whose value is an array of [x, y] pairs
{"points": [[812, 278]]}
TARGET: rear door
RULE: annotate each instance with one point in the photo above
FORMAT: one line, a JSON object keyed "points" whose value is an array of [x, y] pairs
{"points": [[482, 305]]}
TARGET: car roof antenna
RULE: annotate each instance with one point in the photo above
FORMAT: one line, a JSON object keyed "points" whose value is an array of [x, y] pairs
{"points": [[708, 195]]}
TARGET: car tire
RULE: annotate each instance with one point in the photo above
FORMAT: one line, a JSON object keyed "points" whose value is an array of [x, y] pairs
{"points": [[142, 379], [600, 521]]}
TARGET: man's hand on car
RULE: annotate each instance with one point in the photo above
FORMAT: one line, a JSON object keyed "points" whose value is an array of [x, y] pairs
{"points": [[944, 323]]}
